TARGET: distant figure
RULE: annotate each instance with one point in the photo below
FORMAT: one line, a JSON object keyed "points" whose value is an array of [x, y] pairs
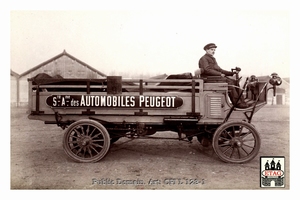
{"points": [[253, 87], [210, 67]]}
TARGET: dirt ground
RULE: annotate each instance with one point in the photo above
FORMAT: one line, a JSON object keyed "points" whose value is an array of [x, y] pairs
{"points": [[39, 162]]}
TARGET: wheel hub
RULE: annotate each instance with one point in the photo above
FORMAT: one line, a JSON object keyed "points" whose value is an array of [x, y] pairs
{"points": [[237, 142], [84, 141]]}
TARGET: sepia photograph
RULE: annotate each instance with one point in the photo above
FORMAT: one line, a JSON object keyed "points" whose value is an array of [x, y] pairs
{"points": [[167, 98]]}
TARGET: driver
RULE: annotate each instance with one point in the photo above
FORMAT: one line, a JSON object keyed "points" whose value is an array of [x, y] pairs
{"points": [[210, 67]]}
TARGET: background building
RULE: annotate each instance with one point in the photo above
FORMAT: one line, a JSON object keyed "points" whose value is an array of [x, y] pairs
{"points": [[282, 92], [14, 79], [68, 66], [63, 64]]}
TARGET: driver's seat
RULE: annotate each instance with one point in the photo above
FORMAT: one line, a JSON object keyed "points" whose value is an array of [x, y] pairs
{"points": [[208, 79]]}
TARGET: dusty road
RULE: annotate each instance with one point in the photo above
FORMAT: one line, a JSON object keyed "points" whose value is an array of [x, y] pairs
{"points": [[39, 162]]}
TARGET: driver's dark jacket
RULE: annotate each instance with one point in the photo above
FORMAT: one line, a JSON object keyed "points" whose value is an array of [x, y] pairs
{"points": [[210, 67]]}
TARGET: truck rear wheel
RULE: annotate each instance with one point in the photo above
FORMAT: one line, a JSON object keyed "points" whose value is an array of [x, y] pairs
{"points": [[236, 142], [86, 141]]}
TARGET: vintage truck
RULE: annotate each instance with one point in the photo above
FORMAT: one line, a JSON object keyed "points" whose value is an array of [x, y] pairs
{"points": [[97, 112]]}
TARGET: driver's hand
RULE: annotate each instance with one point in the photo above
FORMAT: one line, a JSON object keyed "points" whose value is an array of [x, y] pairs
{"points": [[223, 75]]}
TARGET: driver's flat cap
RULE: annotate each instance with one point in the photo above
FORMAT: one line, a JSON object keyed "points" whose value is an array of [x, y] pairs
{"points": [[210, 45]]}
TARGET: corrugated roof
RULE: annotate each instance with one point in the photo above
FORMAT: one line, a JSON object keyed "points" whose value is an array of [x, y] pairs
{"points": [[287, 79], [64, 53]]}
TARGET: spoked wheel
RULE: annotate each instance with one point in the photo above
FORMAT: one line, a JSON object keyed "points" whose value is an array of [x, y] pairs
{"points": [[86, 141], [236, 142]]}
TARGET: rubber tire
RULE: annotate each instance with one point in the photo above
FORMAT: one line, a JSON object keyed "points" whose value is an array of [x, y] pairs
{"points": [[226, 126], [67, 144]]}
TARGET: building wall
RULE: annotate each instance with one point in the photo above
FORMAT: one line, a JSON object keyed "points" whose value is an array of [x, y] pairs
{"points": [[64, 66], [287, 95], [275, 100], [282, 94], [23, 91], [13, 90]]}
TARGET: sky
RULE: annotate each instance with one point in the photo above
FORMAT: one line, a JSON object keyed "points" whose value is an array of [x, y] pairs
{"points": [[133, 42]]}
